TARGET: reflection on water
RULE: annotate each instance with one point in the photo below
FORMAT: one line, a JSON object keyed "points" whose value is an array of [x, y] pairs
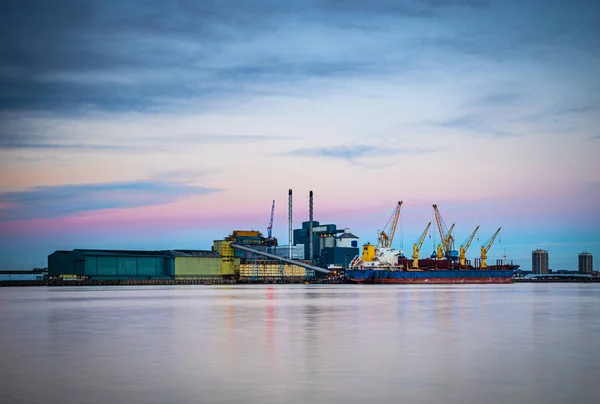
{"points": [[299, 344]]}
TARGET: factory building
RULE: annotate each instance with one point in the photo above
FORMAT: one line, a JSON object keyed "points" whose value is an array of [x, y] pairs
{"points": [[142, 265], [283, 251], [262, 270], [250, 238], [539, 261], [192, 264], [586, 264], [110, 264], [330, 245]]}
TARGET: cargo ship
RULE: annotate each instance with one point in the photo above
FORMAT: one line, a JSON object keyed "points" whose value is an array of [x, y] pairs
{"points": [[440, 276], [385, 265]]}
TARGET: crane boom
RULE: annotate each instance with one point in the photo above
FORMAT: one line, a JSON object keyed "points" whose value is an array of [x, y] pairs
{"points": [[486, 247], [449, 242], [417, 246], [465, 246], [270, 227], [446, 245], [385, 240], [446, 238]]}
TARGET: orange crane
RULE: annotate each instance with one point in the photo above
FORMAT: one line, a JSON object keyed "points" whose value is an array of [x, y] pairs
{"points": [[386, 236], [417, 246], [486, 247], [462, 253]]}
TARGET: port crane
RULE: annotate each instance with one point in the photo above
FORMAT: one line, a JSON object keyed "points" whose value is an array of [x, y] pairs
{"points": [[462, 253], [386, 236], [447, 246], [270, 226], [486, 247], [417, 246]]}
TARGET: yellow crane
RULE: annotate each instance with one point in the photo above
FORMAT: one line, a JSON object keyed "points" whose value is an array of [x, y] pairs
{"points": [[385, 239], [417, 246], [486, 247], [446, 238], [442, 249], [462, 253]]}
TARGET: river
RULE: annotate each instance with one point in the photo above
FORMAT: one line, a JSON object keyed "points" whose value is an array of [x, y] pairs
{"points": [[521, 343]]}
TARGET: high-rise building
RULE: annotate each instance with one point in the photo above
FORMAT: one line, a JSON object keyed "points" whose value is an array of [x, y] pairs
{"points": [[539, 261], [586, 264]]}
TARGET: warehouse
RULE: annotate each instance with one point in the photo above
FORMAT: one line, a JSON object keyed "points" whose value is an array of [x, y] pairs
{"points": [[198, 264], [137, 265], [109, 264]]}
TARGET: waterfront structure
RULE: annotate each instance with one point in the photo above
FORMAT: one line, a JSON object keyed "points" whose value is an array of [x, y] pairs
{"points": [[17, 275], [142, 265], [192, 264], [586, 264], [250, 238], [283, 251], [539, 261], [269, 270], [109, 264], [330, 245]]}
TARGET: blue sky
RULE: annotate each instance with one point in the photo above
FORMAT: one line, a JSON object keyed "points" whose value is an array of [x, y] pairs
{"points": [[166, 124]]}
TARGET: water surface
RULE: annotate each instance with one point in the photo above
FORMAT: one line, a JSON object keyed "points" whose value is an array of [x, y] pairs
{"points": [[346, 344]]}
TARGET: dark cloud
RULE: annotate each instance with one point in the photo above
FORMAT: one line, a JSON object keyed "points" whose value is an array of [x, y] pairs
{"points": [[64, 200], [138, 55], [142, 55], [16, 134]]}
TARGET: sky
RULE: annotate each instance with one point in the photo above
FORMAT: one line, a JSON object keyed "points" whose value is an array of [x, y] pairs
{"points": [[167, 124]]}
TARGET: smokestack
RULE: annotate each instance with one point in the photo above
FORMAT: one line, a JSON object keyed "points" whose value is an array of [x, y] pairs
{"points": [[310, 226], [290, 223]]}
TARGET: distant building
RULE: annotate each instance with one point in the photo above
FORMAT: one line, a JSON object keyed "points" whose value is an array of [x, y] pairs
{"points": [[37, 274], [586, 264], [539, 261], [283, 251], [330, 245]]}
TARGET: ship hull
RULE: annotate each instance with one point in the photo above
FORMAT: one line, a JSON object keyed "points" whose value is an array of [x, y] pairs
{"points": [[431, 277]]}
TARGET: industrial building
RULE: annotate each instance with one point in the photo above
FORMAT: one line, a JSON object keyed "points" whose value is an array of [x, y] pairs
{"points": [[539, 261], [17, 275], [586, 264], [283, 251], [141, 265], [250, 238], [330, 245], [220, 263], [265, 270], [243, 255]]}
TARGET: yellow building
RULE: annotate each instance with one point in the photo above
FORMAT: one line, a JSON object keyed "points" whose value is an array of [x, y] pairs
{"points": [[194, 264], [271, 270], [230, 264]]}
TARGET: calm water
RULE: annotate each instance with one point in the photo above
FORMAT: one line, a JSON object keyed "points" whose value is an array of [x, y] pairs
{"points": [[301, 344]]}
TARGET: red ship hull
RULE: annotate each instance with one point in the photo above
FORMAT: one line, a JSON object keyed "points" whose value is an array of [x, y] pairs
{"points": [[439, 281]]}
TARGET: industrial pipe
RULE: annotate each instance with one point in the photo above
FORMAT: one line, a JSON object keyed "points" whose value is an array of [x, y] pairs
{"points": [[290, 207], [310, 227]]}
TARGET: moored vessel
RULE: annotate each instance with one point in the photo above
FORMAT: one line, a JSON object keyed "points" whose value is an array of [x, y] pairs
{"points": [[381, 263]]}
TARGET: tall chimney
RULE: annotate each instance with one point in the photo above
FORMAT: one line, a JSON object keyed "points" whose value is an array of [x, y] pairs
{"points": [[290, 223], [310, 226]]}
